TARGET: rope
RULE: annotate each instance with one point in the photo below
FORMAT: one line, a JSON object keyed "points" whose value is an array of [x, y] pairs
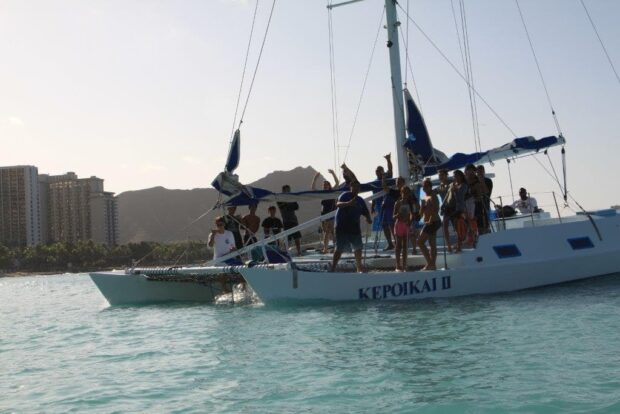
{"points": [[245, 63], [458, 72], [260, 55], [611, 63], [415, 86], [565, 194], [542, 79], [334, 96], [359, 103], [406, 43], [512, 189], [470, 74]]}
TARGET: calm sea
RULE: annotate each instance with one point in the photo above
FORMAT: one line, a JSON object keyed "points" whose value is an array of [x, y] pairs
{"points": [[62, 349]]}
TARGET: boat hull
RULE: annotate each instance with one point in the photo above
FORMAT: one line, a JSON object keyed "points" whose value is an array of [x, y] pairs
{"points": [[120, 288], [545, 257]]}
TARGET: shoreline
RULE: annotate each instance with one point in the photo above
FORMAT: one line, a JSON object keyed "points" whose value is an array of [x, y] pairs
{"points": [[43, 273]]}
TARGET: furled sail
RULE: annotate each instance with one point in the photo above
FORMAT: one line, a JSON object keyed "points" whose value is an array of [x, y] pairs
{"points": [[515, 148], [418, 144], [226, 182], [262, 195]]}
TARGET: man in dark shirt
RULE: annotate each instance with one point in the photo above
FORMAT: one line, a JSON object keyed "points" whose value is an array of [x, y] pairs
{"points": [[231, 223], [272, 225], [486, 199], [348, 231], [383, 207], [289, 218]]}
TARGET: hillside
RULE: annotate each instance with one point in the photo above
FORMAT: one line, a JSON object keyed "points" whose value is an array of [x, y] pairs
{"points": [[159, 214]]}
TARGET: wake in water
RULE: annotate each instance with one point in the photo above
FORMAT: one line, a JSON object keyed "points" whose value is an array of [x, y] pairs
{"points": [[241, 294]]}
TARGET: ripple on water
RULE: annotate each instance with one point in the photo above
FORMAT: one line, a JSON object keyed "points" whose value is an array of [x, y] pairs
{"points": [[545, 350]]}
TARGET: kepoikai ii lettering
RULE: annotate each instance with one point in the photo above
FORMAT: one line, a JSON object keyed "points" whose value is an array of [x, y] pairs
{"points": [[407, 288]]}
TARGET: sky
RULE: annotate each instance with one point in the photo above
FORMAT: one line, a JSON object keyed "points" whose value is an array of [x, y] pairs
{"points": [[143, 93]]}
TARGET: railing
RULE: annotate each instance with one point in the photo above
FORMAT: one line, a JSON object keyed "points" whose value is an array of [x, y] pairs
{"points": [[262, 243]]}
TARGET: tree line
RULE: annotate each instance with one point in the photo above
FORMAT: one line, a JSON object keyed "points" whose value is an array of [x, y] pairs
{"points": [[87, 255]]}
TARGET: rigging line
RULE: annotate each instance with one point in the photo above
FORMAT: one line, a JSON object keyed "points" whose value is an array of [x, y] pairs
{"points": [[245, 64], [415, 86], [611, 63], [542, 79], [468, 73], [334, 96], [512, 189], [471, 75], [359, 104], [501, 120], [407, 46], [260, 55], [555, 174], [547, 171], [458, 34]]}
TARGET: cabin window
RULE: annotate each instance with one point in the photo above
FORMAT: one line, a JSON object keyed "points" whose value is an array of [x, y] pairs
{"points": [[507, 251], [579, 243]]}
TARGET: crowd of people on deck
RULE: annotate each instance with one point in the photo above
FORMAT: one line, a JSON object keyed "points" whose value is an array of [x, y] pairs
{"points": [[398, 212]]}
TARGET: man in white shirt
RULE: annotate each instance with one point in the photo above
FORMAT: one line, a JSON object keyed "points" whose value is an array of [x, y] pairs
{"points": [[222, 240], [525, 204]]}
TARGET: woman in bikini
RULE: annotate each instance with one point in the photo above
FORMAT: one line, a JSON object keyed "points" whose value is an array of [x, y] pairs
{"points": [[403, 216]]}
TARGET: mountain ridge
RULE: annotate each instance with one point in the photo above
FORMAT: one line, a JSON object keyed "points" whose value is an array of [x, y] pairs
{"points": [[165, 215]]}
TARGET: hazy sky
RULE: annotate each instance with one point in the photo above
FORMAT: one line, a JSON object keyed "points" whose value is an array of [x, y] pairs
{"points": [[142, 93]]}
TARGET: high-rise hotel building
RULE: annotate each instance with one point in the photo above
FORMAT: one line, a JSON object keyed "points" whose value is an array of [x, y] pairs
{"points": [[20, 218], [79, 209], [59, 208]]}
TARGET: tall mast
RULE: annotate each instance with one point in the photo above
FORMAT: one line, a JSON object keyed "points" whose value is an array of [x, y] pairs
{"points": [[397, 92]]}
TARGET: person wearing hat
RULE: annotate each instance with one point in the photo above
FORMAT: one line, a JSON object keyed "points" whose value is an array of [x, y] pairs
{"points": [[525, 204]]}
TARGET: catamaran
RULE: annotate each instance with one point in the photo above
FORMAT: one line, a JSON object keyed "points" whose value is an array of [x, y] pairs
{"points": [[532, 254]]}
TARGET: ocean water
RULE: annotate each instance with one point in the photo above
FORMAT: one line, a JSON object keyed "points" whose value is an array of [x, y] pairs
{"points": [[63, 349]]}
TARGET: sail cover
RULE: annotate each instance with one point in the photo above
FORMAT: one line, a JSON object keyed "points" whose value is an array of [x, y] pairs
{"points": [[418, 141], [234, 154], [517, 147], [255, 195], [226, 182]]}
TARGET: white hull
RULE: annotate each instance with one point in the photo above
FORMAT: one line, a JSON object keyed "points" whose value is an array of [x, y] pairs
{"points": [[120, 288], [546, 257]]}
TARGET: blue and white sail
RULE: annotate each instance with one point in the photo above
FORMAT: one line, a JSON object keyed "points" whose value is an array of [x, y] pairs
{"points": [[515, 148], [255, 195], [418, 143], [227, 182]]}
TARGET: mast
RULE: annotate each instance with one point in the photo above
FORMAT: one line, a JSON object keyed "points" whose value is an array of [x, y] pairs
{"points": [[397, 92]]}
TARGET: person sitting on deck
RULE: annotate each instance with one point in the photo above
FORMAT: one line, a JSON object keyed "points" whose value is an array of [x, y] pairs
{"points": [[251, 223], [222, 241], [432, 223], [289, 218], [525, 204], [327, 206], [350, 207]]}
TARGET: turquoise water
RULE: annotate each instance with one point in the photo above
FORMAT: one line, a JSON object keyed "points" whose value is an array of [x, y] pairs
{"points": [[62, 349]]}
